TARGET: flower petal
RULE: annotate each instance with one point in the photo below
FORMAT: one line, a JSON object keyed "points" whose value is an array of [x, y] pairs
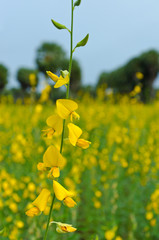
{"points": [[52, 76], [64, 227], [74, 133], [55, 122], [56, 172], [75, 116], [68, 229], [65, 107], [83, 143], [41, 201], [60, 192], [69, 202], [61, 81], [53, 158], [34, 211]]}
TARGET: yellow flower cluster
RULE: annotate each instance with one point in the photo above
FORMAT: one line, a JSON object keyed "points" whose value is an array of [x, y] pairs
{"points": [[118, 175], [53, 160]]}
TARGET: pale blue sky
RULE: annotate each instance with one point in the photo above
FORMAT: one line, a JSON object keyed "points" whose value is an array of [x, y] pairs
{"points": [[119, 30]]}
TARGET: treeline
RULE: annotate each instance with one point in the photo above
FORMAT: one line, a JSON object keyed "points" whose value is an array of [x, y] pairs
{"points": [[140, 71], [49, 57]]}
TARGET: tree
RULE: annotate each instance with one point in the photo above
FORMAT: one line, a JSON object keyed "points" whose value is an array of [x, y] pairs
{"points": [[27, 78], [124, 78], [3, 76], [50, 57], [150, 68]]}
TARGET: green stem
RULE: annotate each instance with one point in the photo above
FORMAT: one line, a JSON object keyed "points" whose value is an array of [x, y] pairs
{"points": [[62, 137], [67, 96], [71, 50], [50, 212]]}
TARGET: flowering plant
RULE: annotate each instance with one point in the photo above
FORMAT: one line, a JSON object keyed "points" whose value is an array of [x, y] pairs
{"points": [[53, 160]]}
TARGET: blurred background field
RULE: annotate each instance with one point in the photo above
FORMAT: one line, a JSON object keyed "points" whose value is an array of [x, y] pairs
{"points": [[115, 82], [115, 180]]}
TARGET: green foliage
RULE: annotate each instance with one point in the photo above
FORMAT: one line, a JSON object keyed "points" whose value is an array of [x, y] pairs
{"points": [[124, 78], [24, 77], [88, 90], [83, 42], [2, 231], [3, 76], [59, 25], [77, 3], [50, 57], [150, 67]]}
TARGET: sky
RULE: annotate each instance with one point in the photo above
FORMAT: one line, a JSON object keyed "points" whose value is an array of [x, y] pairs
{"points": [[119, 31]]}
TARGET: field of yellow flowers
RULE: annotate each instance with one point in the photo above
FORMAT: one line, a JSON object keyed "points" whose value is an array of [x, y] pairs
{"points": [[115, 180]]}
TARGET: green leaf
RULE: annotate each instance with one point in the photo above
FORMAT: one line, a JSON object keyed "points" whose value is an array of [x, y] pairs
{"points": [[77, 3], [2, 231], [58, 25], [83, 42]]}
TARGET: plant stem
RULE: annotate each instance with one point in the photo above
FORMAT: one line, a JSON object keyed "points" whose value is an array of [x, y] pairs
{"points": [[50, 212], [71, 49], [67, 96], [70, 68]]}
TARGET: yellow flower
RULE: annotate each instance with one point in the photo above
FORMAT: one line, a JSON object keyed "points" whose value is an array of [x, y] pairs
{"points": [[63, 195], [139, 75], [149, 215], [31, 187], [74, 133], [56, 124], [109, 235], [60, 81], [118, 238], [41, 166], [63, 227], [137, 89], [153, 222], [97, 204], [66, 108], [52, 76], [13, 207], [19, 224], [98, 193], [39, 203], [34, 211], [54, 160], [32, 79]]}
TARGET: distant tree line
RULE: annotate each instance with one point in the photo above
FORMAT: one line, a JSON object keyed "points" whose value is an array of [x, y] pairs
{"points": [[52, 57], [124, 79], [49, 57], [3, 76]]}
